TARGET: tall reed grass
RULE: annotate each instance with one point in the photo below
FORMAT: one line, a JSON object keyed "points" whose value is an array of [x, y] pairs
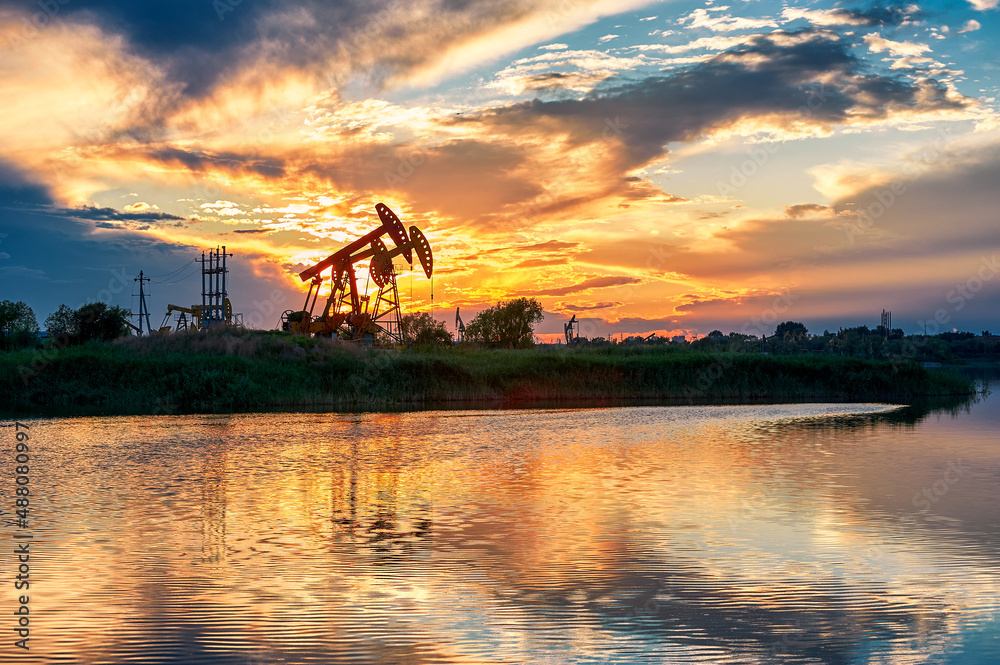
{"points": [[244, 370]]}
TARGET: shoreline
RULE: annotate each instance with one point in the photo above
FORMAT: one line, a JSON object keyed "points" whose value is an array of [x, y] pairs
{"points": [[260, 372]]}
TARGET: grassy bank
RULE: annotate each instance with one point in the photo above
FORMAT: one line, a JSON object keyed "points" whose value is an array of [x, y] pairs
{"points": [[253, 370]]}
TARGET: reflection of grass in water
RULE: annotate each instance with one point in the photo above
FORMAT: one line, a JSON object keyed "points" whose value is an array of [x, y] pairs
{"points": [[247, 370], [919, 408]]}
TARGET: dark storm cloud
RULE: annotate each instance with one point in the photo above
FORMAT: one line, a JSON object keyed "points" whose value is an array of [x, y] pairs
{"points": [[111, 215], [200, 42], [226, 161], [800, 81], [53, 255], [774, 77], [878, 14], [196, 41], [884, 14], [20, 195], [186, 36], [18, 189]]}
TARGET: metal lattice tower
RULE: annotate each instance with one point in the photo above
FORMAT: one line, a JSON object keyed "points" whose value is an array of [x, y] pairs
{"points": [[213, 287]]}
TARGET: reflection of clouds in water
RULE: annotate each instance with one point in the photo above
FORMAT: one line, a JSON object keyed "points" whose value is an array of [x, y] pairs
{"points": [[704, 533]]}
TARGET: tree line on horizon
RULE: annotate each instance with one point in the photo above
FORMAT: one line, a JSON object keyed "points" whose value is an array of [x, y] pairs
{"points": [[92, 321], [510, 324]]}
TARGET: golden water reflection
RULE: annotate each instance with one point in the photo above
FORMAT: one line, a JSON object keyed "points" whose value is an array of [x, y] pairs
{"points": [[781, 533]]}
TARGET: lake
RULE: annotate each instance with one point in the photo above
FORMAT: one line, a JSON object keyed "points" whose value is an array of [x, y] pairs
{"points": [[798, 533]]}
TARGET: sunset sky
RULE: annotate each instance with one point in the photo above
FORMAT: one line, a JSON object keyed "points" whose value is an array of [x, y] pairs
{"points": [[648, 166]]}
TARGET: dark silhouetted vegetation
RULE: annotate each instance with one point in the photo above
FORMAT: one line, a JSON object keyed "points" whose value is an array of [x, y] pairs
{"points": [[508, 325], [98, 321], [61, 322], [18, 325], [423, 330], [791, 330], [858, 342], [241, 370], [94, 321]]}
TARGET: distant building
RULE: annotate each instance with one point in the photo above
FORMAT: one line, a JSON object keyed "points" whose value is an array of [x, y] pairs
{"points": [[679, 339]]}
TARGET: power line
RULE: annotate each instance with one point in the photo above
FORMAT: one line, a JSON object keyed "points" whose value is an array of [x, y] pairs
{"points": [[175, 272], [180, 279]]}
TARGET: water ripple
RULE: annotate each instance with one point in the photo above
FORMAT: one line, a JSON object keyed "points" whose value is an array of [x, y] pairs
{"points": [[730, 534]]}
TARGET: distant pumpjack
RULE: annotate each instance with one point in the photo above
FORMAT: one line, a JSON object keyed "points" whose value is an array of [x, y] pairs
{"points": [[364, 315], [197, 319], [568, 330], [459, 326]]}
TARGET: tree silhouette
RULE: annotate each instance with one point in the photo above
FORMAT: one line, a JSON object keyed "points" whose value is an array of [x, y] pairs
{"points": [[97, 321], [790, 330], [509, 324], [423, 330], [18, 325]]}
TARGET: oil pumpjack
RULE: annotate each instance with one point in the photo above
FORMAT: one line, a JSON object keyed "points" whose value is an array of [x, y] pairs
{"points": [[459, 325], [571, 338], [350, 312]]}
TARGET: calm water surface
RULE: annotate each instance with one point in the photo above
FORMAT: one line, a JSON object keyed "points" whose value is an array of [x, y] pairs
{"points": [[806, 533]]}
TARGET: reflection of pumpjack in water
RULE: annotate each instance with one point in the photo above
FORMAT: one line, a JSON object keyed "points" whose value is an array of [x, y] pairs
{"points": [[213, 502], [371, 515]]}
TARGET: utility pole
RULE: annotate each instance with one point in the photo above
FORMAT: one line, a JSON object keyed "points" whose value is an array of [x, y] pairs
{"points": [[143, 310]]}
